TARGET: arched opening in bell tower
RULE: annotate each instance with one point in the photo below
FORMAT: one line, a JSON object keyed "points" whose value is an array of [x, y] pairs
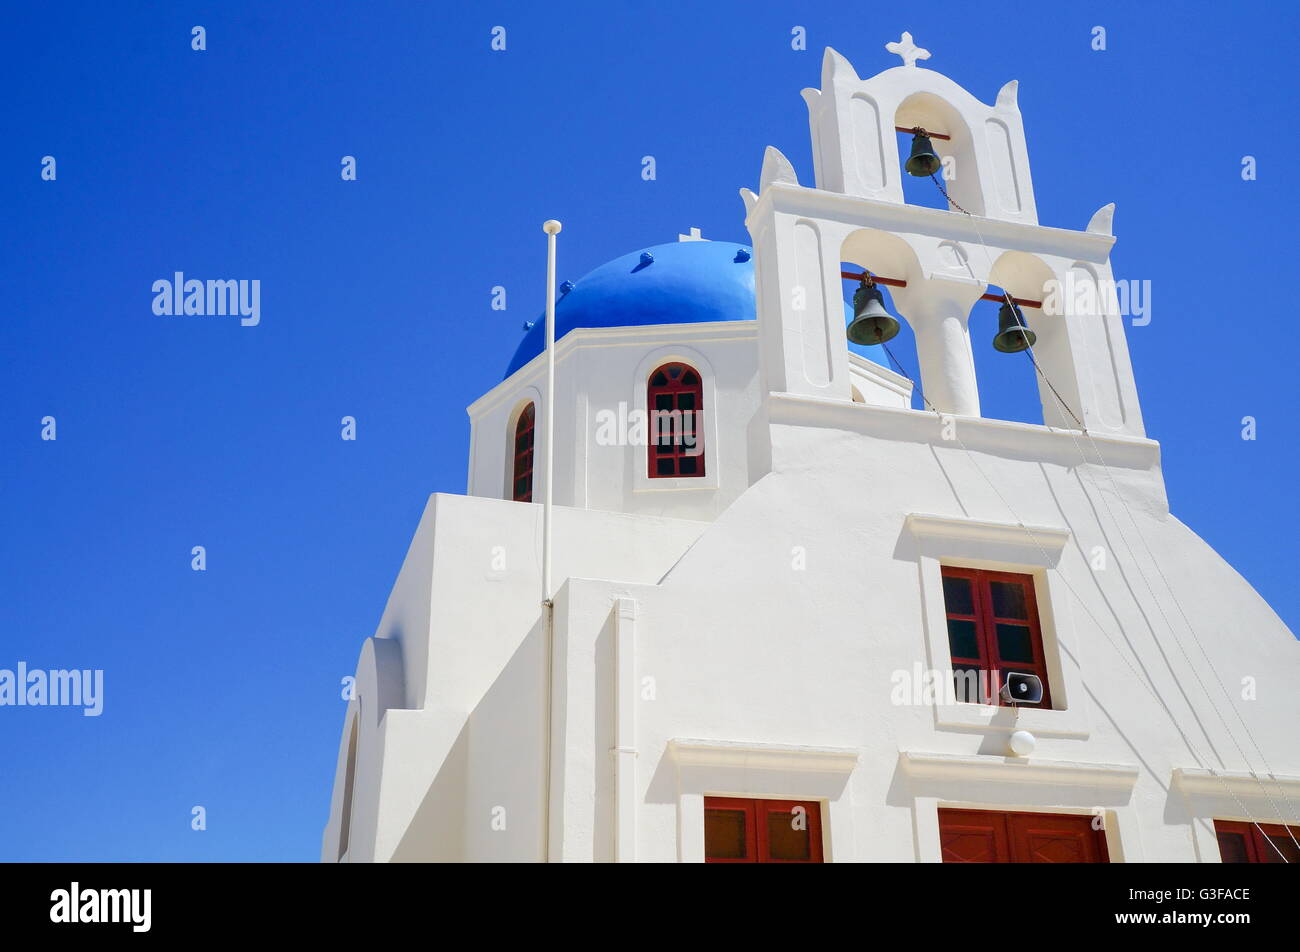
{"points": [[893, 263], [889, 259], [1010, 386], [952, 141], [1008, 383], [898, 354]]}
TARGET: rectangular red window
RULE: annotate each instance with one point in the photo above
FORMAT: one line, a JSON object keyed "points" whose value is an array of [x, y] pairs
{"points": [[741, 830], [1257, 842], [990, 836], [993, 631]]}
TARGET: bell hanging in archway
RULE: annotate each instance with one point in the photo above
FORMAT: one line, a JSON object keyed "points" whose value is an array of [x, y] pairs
{"points": [[871, 322], [923, 161], [1013, 335]]}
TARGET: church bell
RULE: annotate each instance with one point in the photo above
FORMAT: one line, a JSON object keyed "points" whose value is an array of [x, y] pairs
{"points": [[871, 322], [1013, 336], [923, 161]]}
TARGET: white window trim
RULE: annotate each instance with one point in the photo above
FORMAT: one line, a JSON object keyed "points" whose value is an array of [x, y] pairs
{"points": [[641, 481], [1021, 785], [1005, 547], [1211, 795], [766, 771]]}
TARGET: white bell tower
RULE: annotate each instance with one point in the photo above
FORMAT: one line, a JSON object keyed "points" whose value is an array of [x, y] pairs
{"points": [[948, 259]]}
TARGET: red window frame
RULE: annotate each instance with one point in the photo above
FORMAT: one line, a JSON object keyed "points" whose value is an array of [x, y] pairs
{"points": [[758, 846], [989, 657], [1010, 836], [1253, 841], [522, 472], [673, 387]]}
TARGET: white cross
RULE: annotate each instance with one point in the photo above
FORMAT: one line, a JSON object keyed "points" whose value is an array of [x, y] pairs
{"points": [[908, 50], [693, 236]]}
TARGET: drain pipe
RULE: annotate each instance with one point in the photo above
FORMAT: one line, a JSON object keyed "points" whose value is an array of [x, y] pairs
{"points": [[552, 228]]}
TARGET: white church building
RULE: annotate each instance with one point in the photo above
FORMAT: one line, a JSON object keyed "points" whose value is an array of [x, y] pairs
{"points": [[814, 623]]}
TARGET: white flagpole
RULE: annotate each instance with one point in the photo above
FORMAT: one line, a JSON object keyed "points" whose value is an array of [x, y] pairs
{"points": [[552, 228]]}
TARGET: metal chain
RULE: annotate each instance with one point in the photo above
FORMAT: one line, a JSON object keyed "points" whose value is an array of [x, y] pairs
{"points": [[944, 192]]}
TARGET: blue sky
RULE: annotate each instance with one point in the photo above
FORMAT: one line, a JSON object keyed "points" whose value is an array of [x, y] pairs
{"points": [[222, 687]]}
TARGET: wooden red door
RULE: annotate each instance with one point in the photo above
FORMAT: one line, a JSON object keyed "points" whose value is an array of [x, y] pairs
{"points": [[970, 836], [989, 836]]}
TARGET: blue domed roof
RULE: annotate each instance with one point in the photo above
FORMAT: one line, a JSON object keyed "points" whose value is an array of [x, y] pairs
{"points": [[684, 282]]}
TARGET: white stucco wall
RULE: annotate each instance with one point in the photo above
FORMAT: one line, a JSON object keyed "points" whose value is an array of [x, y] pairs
{"points": [[793, 667], [792, 658], [461, 732]]}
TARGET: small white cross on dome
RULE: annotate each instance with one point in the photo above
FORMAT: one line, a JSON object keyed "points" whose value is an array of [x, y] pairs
{"points": [[693, 236], [908, 50]]}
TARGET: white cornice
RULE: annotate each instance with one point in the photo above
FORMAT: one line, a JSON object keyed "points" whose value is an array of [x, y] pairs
{"points": [[963, 768], [927, 526], [1218, 783], [919, 219], [1000, 437], [690, 752], [583, 337]]}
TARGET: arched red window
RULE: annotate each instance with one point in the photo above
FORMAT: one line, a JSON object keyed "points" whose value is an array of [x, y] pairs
{"points": [[523, 446], [675, 401]]}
